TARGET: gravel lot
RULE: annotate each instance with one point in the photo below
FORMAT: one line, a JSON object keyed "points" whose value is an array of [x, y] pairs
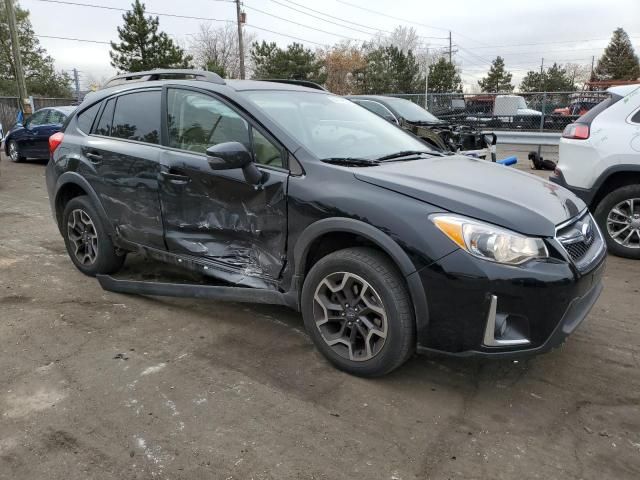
{"points": [[101, 385]]}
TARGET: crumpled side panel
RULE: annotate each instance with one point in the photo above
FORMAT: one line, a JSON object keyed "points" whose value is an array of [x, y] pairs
{"points": [[229, 222]]}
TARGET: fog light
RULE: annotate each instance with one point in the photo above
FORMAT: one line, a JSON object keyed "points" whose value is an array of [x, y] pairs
{"points": [[503, 329]]}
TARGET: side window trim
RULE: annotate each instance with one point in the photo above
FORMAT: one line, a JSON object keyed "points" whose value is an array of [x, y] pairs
{"points": [[250, 122]]}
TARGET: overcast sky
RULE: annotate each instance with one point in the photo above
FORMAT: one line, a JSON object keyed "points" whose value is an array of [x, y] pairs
{"points": [[565, 30]]}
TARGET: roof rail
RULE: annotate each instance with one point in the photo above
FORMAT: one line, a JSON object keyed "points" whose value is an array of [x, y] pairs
{"points": [[302, 83], [165, 73]]}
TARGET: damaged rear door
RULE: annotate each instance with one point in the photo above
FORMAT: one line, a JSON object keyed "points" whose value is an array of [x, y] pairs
{"points": [[216, 214]]}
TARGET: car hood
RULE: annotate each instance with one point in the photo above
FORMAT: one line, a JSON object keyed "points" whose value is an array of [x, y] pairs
{"points": [[480, 189]]}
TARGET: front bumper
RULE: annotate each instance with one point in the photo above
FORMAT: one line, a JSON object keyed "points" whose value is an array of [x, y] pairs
{"points": [[547, 300]]}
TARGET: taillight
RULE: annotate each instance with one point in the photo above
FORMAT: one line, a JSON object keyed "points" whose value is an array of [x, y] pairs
{"points": [[54, 141], [576, 131]]}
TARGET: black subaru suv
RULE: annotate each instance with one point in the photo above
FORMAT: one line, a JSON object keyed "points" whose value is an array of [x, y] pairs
{"points": [[294, 196]]}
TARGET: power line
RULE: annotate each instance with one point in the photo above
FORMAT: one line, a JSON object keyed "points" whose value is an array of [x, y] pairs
{"points": [[344, 21], [73, 39], [105, 7], [299, 24]]}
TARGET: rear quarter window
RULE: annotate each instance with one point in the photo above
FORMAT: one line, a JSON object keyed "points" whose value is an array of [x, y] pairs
{"points": [[636, 117], [588, 117], [86, 118]]}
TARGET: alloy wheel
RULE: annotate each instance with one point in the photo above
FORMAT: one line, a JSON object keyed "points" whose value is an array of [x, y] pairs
{"points": [[350, 316], [13, 151], [623, 223], [83, 237]]}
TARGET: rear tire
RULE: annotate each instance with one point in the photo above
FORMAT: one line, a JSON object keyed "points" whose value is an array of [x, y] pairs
{"points": [[618, 216], [87, 242], [358, 312]]}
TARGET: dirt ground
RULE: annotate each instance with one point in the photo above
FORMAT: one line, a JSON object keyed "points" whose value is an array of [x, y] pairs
{"points": [[97, 385]]}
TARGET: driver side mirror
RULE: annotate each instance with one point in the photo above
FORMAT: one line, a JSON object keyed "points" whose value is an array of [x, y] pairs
{"points": [[232, 155]]}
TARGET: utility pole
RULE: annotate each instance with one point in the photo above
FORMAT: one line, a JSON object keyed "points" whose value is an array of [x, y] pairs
{"points": [[17, 59], [426, 81], [240, 18], [450, 47], [542, 75], [76, 81]]}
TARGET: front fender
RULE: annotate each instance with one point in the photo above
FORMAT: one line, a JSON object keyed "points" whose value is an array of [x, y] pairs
{"points": [[382, 241]]}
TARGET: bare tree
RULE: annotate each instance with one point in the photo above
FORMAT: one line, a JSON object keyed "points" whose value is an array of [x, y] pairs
{"points": [[579, 74], [403, 38], [216, 48]]}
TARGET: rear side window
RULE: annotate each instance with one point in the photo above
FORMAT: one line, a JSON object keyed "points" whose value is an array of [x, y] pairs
{"points": [[86, 118], [636, 117], [588, 117], [137, 117], [106, 119]]}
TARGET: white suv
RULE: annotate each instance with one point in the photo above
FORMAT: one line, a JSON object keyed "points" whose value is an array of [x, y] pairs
{"points": [[600, 162]]}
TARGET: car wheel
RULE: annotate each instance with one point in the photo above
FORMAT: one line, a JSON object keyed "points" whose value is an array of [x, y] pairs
{"points": [[14, 152], [87, 242], [358, 312], [618, 216]]}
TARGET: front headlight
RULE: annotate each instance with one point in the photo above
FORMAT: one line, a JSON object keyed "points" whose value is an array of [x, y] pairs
{"points": [[489, 242]]}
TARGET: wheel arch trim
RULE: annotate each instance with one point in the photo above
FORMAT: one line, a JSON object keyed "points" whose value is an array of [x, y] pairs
{"points": [[78, 180], [382, 241], [604, 176]]}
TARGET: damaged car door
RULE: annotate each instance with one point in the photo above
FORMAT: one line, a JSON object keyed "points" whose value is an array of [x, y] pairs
{"points": [[216, 214]]}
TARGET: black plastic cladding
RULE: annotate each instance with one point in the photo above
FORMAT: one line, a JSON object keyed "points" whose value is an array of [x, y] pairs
{"points": [[262, 236]]}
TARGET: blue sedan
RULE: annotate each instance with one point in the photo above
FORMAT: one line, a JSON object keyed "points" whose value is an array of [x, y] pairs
{"points": [[31, 139]]}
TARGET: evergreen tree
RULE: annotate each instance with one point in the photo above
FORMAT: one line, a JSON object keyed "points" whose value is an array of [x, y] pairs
{"points": [[388, 70], [619, 61], [39, 71], [553, 79], [142, 47], [444, 77], [295, 63], [497, 79]]}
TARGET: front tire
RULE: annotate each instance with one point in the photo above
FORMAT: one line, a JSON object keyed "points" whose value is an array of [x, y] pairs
{"points": [[358, 312], [14, 152], [618, 216], [87, 242]]}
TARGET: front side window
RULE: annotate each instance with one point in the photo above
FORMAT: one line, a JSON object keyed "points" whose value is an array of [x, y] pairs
{"points": [[330, 126], [197, 121], [411, 111], [265, 152], [375, 107], [137, 117]]}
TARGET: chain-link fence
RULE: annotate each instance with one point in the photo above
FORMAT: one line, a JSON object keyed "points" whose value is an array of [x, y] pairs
{"points": [[9, 108], [537, 111]]}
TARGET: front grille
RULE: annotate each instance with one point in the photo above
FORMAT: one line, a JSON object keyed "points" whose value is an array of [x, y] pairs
{"points": [[582, 241]]}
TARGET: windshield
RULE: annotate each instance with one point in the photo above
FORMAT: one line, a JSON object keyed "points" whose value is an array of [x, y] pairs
{"points": [[522, 104], [333, 127], [410, 111]]}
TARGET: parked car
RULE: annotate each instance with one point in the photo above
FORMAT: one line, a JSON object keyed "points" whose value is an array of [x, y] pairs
{"points": [[599, 161], [295, 196], [439, 134], [31, 138]]}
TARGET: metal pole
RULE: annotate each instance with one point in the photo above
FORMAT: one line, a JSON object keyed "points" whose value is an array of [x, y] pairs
{"points": [[450, 46], [15, 47], [76, 81], [426, 81], [240, 41]]}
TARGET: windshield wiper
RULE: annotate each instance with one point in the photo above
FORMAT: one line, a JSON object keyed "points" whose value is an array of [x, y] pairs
{"points": [[407, 153], [351, 161]]}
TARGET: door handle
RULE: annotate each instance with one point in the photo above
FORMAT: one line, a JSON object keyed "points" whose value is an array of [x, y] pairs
{"points": [[94, 157], [175, 178]]}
